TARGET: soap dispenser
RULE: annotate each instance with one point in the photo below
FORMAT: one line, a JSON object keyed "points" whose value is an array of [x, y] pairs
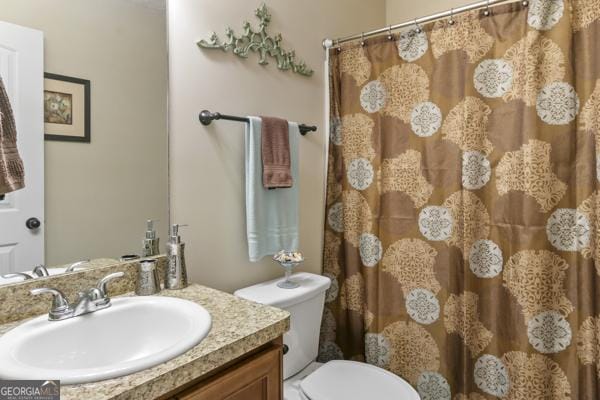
{"points": [[175, 272], [150, 243]]}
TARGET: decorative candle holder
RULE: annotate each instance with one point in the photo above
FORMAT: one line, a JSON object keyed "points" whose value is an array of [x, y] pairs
{"points": [[288, 260]]}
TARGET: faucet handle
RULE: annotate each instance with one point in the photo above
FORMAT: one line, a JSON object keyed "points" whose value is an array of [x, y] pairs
{"points": [[101, 286], [78, 264], [23, 275], [60, 305]]}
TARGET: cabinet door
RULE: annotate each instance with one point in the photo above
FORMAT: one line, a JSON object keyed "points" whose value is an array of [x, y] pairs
{"points": [[257, 378]]}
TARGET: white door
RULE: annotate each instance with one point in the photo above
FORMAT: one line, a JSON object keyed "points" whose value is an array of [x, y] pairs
{"points": [[22, 69]]}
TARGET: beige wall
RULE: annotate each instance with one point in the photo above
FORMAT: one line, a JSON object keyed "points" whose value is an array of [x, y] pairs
{"points": [[98, 195], [398, 11], [207, 185]]}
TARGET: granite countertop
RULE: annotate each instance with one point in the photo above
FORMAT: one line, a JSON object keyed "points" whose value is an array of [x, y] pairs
{"points": [[238, 327]]}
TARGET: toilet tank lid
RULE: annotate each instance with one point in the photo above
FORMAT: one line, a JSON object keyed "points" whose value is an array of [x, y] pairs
{"points": [[270, 294]]}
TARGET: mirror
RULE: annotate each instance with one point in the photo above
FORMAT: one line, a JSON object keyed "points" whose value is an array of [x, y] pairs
{"points": [[87, 83]]}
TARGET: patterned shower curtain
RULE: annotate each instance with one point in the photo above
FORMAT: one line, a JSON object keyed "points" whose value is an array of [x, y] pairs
{"points": [[462, 204]]}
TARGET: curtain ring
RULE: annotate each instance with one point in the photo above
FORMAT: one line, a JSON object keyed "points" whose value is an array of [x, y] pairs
{"points": [[338, 47], [362, 39], [451, 20], [487, 11], [417, 27], [390, 37]]}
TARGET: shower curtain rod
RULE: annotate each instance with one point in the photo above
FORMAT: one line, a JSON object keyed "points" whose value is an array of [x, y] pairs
{"points": [[327, 43]]}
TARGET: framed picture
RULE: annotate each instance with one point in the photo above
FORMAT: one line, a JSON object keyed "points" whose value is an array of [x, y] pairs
{"points": [[66, 108]]}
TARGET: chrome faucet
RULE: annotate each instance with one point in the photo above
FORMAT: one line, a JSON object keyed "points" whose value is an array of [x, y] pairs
{"points": [[40, 271], [88, 301]]}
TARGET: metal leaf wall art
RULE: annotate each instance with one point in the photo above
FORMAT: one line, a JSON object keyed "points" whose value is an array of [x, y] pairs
{"points": [[259, 42]]}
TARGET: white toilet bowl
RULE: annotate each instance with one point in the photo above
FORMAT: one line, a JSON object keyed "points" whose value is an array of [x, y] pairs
{"points": [[305, 379]]}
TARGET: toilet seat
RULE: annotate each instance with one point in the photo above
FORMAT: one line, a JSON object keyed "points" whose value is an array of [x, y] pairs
{"points": [[351, 380]]}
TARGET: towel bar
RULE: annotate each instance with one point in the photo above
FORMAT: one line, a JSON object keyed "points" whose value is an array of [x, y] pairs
{"points": [[206, 117]]}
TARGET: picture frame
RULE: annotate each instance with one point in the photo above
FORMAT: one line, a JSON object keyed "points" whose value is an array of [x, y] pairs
{"points": [[66, 108]]}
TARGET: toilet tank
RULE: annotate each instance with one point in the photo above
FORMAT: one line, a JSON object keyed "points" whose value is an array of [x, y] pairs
{"points": [[305, 305]]}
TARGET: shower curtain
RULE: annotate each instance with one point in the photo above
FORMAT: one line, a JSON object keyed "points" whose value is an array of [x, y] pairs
{"points": [[462, 207]]}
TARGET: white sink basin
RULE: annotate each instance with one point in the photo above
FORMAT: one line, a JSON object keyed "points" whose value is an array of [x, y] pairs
{"points": [[135, 333]]}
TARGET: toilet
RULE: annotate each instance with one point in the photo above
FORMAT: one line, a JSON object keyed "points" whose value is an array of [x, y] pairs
{"points": [[306, 379]]}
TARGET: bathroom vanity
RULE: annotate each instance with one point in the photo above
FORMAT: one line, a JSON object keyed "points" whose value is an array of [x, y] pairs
{"points": [[252, 374], [240, 358], [258, 376]]}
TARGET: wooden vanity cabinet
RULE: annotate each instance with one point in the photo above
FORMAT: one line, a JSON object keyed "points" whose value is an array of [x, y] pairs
{"points": [[257, 377]]}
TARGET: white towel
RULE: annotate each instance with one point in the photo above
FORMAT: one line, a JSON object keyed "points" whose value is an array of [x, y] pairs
{"points": [[271, 215]]}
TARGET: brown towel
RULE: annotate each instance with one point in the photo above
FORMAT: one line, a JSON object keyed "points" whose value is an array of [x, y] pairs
{"points": [[12, 174], [275, 151]]}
